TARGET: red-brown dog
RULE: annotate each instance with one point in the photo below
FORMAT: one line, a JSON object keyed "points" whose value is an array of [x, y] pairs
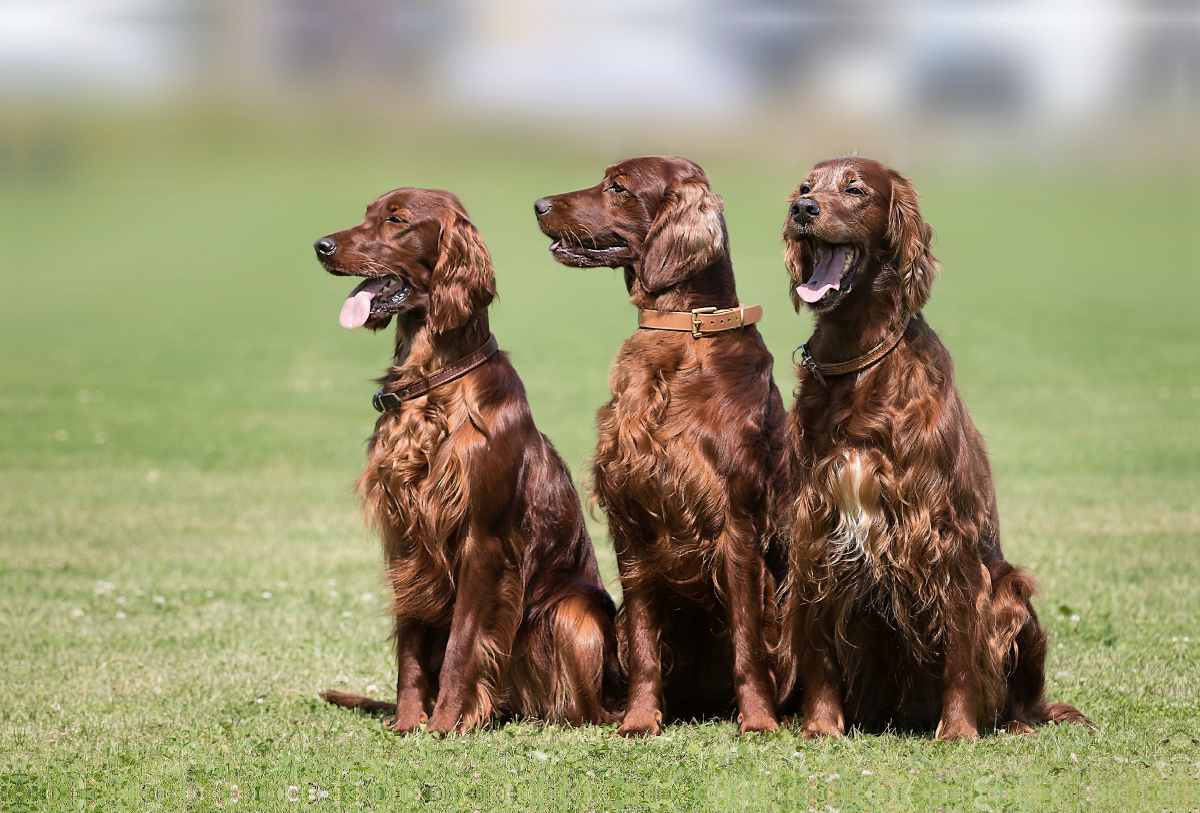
{"points": [[498, 601], [901, 606], [691, 455]]}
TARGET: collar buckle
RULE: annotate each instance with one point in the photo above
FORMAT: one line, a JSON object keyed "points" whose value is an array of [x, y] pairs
{"points": [[696, 312]]}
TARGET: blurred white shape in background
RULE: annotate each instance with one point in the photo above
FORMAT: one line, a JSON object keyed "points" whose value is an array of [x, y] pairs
{"points": [[89, 45], [1022, 67], [609, 59]]}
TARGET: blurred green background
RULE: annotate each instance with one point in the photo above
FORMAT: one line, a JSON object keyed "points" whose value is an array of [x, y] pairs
{"points": [[182, 564]]}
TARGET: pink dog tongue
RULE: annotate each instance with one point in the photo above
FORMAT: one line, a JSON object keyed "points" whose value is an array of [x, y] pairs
{"points": [[826, 276], [356, 309]]}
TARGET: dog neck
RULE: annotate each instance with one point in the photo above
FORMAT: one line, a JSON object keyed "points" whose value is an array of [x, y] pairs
{"points": [[711, 287], [421, 352], [868, 315]]}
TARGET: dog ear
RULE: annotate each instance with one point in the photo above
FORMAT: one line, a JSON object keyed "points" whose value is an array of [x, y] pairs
{"points": [[911, 242], [687, 234], [463, 281]]}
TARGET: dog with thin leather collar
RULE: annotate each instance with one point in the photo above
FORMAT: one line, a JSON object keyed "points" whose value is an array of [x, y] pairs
{"points": [[690, 462], [498, 603], [384, 400], [900, 608]]}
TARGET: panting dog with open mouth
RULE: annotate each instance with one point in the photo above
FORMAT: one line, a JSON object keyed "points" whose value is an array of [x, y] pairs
{"points": [[901, 608], [498, 603]]}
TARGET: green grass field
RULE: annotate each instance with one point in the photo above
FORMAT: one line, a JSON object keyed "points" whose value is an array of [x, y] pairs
{"points": [[182, 565]]}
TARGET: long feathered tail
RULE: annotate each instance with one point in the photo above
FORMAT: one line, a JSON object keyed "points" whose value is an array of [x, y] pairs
{"points": [[355, 701]]}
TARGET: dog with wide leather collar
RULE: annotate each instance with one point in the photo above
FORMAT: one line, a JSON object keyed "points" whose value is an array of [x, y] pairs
{"points": [[700, 321]]}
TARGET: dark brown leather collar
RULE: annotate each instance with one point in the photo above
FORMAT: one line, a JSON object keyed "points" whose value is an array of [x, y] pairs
{"points": [[384, 401], [700, 321], [880, 350]]}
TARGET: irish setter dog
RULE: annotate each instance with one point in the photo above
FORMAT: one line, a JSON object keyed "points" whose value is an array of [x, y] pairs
{"points": [[691, 454], [498, 601], [900, 606]]}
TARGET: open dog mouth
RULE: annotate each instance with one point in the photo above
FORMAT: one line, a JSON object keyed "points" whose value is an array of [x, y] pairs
{"points": [[375, 296], [573, 251], [832, 276]]}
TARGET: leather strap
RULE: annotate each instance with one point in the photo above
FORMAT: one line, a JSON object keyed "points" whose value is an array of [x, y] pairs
{"points": [[701, 321], [383, 401], [820, 370]]}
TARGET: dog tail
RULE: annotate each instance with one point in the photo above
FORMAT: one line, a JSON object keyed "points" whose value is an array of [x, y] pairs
{"points": [[1065, 713], [1021, 646], [354, 701]]}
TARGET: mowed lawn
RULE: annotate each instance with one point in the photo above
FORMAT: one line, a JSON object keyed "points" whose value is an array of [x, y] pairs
{"points": [[183, 567]]}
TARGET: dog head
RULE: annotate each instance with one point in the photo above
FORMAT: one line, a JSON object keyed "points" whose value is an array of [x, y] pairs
{"points": [[657, 216], [850, 219], [419, 254]]}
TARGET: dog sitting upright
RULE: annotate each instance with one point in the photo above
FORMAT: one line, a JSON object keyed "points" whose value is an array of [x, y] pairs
{"points": [[498, 601], [901, 607], [690, 461]]}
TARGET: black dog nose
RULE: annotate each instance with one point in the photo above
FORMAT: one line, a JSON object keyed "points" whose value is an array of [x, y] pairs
{"points": [[541, 206], [325, 246], [804, 210]]}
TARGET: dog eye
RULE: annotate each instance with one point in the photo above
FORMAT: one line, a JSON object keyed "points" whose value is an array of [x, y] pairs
{"points": [[856, 191], [615, 187], [805, 189], [395, 219]]}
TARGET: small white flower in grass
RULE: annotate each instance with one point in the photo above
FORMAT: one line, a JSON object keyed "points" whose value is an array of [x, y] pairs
{"points": [[293, 793], [266, 593], [1074, 759], [373, 688], [77, 613], [331, 583], [867, 773], [334, 594], [141, 592], [1173, 638], [258, 700], [121, 616], [209, 593], [160, 599], [100, 437], [347, 614], [1074, 619], [366, 597], [153, 475], [341, 679], [120, 599], [61, 435]]}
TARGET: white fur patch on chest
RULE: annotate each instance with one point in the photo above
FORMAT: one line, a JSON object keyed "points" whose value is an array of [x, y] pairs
{"points": [[856, 493]]}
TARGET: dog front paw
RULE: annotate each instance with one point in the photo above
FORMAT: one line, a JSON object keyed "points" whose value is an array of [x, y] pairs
{"points": [[641, 723], [756, 722], [956, 730]]}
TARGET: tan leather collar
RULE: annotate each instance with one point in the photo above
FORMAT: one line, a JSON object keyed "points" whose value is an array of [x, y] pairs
{"points": [[700, 321], [384, 401], [820, 370]]}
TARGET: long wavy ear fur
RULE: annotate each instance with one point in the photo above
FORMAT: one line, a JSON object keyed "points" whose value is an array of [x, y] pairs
{"points": [[911, 242], [797, 258], [688, 234], [463, 281]]}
